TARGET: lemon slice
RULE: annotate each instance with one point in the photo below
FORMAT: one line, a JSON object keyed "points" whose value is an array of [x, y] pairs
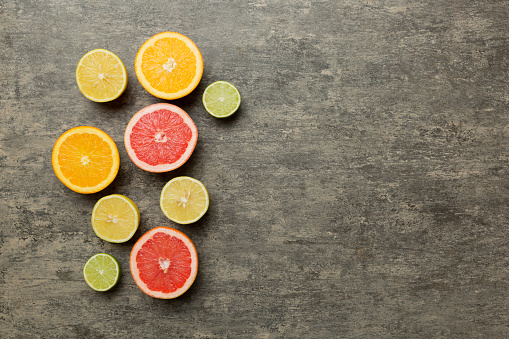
{"points": [[115, 218], [101, 272], [101, 76], [221, 99], [184, 200]]}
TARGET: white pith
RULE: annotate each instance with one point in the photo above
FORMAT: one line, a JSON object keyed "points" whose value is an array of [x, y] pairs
{"points": [[164, 263], [85, 160], [184, 200], [170, 65]]}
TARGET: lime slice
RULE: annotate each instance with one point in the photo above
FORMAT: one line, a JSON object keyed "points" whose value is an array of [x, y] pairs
{"points": [[101, 272], [184, 200], [221, 99], [115, 218]]}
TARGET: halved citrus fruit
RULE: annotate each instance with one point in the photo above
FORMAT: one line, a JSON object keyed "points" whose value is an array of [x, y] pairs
{"points": [[184, 200], [101, 75], [101, 272], [160, 138], [164, 263], [169, 65], [85, 159], [115, 218], [221, 99]]}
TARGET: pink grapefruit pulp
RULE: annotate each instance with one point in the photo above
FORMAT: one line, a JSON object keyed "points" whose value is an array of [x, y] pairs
{"points": [[160, 137], [164, 263]]}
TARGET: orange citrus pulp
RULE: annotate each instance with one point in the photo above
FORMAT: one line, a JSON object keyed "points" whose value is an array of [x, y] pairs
{"points": [[169, 65], [85, 159]]}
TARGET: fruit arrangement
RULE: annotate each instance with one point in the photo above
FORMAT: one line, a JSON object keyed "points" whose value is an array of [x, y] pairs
{"points": [[158, 138]]}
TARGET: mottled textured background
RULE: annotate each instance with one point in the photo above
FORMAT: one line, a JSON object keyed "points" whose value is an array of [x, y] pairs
{"points": [[361, 191]]}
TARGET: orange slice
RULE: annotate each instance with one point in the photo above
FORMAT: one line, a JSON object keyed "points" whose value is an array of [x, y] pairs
{"points": [[85, 159], [169, 65]]}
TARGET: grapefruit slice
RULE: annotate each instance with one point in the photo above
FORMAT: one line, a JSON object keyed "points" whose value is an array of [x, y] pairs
{"points": [[160, 138], [164, 263]]}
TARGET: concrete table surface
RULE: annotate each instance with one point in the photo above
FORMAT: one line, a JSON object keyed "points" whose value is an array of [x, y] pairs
{"points": [[360, 192]]}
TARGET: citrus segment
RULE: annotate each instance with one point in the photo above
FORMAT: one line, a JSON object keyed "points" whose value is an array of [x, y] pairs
{"points": [[164, 263], [184, 200], [160, 138], [221, 99], [101, 76], [115, 218], [85, 159], [169, 65], [101, 272]]}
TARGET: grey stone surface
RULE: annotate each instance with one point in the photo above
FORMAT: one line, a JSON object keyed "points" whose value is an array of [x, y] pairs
{"points": [[361, 191]]}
